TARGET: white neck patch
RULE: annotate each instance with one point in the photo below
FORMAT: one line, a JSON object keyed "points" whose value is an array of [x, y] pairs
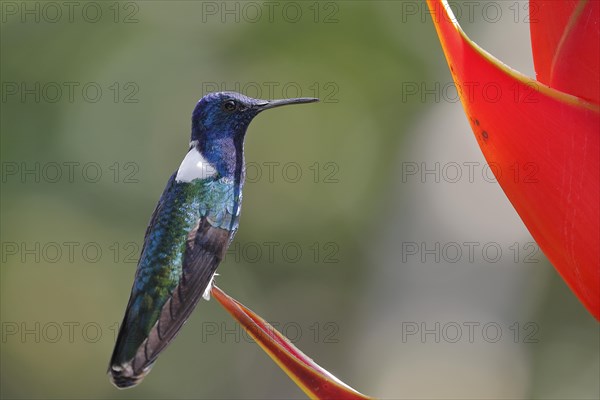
{"points": [[194, 166]]}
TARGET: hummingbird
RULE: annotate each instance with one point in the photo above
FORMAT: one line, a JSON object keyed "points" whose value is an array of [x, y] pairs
{"points": [[194, 222]]}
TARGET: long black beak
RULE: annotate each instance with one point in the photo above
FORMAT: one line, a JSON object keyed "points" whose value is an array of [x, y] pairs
{"points": [[283, 102]]}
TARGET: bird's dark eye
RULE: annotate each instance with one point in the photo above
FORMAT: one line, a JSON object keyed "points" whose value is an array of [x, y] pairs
{"points": [[229, 105]]}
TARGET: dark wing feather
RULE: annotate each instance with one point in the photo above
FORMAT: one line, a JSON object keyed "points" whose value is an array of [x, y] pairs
{"points": [[204, 251], [205, 248]]}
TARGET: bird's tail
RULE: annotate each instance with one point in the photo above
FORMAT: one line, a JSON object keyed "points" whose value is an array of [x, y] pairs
{"points": [[123, 376]]}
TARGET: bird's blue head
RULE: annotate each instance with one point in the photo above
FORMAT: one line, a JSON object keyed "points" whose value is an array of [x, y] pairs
{"points": [[220, 121]]}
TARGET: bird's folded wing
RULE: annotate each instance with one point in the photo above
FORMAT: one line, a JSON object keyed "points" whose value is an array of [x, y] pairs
{"points": [[205, 249]]}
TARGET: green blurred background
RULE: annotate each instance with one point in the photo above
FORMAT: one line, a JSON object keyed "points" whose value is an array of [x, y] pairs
{"points": [[353, 296]]}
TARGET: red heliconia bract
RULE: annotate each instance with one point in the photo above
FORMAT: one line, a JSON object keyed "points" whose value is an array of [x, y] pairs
{"points": [[315, 381], [542, 142], [565, 38]]}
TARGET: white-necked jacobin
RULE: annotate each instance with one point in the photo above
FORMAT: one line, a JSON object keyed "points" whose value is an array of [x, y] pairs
{"points": [[189, 232]]}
